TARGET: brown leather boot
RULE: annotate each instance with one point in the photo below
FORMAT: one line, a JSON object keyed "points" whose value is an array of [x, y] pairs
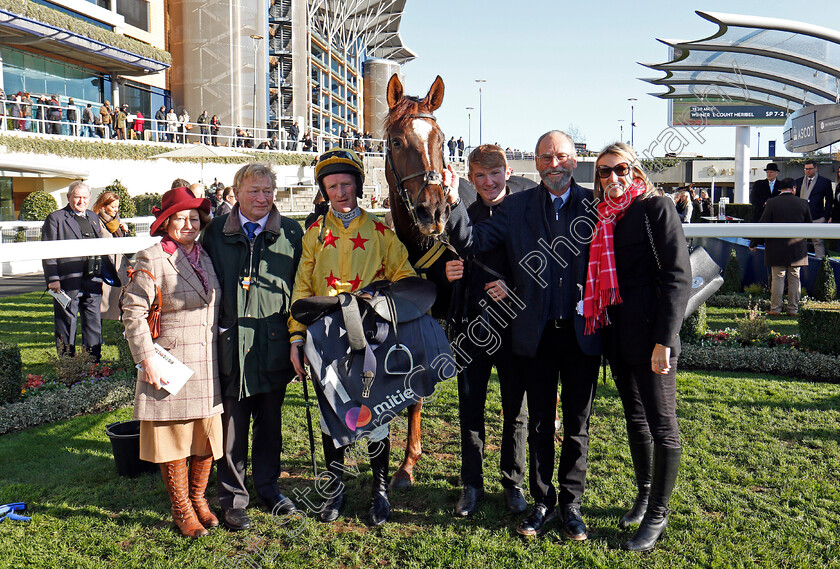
{"points": [[175, 479], [200, 468]]}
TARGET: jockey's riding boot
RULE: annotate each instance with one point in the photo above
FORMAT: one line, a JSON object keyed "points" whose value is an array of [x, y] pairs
{"points": [[336, 497], [200, 469], [641, 452], [380, 507], [175, 479], [666, 465]]}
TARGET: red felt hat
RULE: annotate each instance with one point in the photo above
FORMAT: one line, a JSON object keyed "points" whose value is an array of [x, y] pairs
{"points": [[174, 201]]}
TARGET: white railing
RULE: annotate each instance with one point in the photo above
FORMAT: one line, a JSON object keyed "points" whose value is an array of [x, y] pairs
{"points": [[10, 230]]}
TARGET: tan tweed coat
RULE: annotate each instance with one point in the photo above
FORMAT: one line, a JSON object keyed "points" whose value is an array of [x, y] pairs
{"points": [[188, 329]]}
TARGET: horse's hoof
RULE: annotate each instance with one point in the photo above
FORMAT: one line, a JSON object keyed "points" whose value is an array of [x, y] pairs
{"points": [[401, 480]]}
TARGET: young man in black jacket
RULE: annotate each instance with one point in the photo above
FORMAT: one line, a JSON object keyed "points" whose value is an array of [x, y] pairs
{"points": [[546, 231], [481, 286]]}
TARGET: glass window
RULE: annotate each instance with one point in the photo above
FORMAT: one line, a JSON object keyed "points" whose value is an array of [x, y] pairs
{"points": [[135, 12], [7, 200]]}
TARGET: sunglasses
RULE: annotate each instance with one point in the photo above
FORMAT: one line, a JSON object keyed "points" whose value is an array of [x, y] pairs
{"points": [[337, 154], [620, 170]]}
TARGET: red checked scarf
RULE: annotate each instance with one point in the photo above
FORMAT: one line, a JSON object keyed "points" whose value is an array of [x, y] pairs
{"points": [[601, 276]]}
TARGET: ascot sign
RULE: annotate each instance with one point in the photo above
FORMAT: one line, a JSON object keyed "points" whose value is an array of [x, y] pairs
{"points": [[812, 128]]}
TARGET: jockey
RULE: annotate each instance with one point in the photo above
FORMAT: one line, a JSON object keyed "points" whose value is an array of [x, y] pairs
{"points": [[343, 251]]}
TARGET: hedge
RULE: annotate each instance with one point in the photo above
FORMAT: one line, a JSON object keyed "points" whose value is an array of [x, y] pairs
{"points": [[145, 202], [818, 326], [788, 362], [825, 286], [63, 404], [731, 275], [67, 22], [37, 206], [737, 301], [11, 379], [694, 326], [120, 151]]}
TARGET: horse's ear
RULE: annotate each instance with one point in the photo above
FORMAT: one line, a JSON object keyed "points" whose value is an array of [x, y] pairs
{"points": [[434, 98], [395, 91]]}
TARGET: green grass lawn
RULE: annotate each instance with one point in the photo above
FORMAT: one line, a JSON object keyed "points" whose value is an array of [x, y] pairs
{"points": [[758, 488], [718, 318]]}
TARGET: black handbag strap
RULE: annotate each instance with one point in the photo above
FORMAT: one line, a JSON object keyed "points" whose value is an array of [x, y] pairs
{"points": [[652, 245]]}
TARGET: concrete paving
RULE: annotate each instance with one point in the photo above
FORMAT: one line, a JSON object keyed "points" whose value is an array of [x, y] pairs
{"points": [[20, 284]]}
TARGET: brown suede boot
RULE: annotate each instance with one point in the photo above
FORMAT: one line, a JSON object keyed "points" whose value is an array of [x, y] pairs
{"points": [[200, 468], [175, 479]]}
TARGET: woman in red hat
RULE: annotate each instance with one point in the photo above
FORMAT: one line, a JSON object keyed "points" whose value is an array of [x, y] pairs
{"points": [[184, 426]]}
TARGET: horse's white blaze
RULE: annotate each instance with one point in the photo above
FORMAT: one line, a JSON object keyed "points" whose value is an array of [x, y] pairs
{"points": [[423, 130]]}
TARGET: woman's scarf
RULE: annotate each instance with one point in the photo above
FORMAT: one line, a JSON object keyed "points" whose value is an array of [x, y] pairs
{"points": [[112, 224], [194, 257], [601, 276]]}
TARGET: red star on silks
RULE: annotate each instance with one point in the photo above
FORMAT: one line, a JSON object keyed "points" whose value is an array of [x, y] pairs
{"points": [[380, 227], [329, 239], [355, 282], [380, 273], [332, 281], [359, 242], [316, 224]]}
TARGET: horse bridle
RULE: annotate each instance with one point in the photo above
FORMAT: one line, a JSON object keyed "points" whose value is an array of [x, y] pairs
{"points": [[430, 177]]}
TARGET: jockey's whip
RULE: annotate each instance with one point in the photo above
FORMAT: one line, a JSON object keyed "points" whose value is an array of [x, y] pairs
{"points": [[309, 419]]}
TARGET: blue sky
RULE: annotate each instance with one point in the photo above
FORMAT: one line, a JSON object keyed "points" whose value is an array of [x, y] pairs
{"points": [[553, 63]]}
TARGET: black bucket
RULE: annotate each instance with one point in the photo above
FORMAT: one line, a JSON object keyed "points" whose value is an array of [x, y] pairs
{"points": [[125, 444]]}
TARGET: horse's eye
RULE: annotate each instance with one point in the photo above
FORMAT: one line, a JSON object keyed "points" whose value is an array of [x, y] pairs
{"points": [[396, 143]]}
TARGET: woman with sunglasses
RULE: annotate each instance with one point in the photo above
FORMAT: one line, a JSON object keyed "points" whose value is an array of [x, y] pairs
{"points": [[638, 283]]}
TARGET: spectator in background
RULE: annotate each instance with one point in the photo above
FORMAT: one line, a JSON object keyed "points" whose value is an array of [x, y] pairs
{"points": [[294, 134], [26, 111], [784, 256], [88, 120], [137, 128], [106, 118], [684, 206], [461, 148], [308, 143], [73, 117], [228, 200], [54, 115], [120, 120], [215, 125], [453, 147], [41, 113], [17, 111], [184, 125], [198, 189], [762, 190], [179, 183], [171, 124], [78, 277], [107, 207], [704, 205], [203, 120], [816, 190], [160, 124]]}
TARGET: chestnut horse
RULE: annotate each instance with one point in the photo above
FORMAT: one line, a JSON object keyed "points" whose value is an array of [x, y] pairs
{"points": [[414, 169]]}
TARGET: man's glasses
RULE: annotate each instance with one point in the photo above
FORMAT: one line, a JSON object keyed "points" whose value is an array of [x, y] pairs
{"points": [[548, 158], [620, 170]]}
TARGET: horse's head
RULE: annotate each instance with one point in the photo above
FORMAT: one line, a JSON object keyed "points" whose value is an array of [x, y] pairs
{"points": [[415, 157]]}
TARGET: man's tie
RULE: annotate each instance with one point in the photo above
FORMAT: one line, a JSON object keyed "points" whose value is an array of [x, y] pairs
{"points": [[251, 229], [558, 203]]}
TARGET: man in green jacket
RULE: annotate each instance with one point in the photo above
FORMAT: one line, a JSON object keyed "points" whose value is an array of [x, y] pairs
{"points": [[255, 252]]}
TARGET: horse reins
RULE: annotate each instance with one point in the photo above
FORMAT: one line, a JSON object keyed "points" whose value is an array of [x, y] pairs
{"points": [[430, 177]]}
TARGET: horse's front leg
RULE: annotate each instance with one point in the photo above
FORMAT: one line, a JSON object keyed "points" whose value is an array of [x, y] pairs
{"points": [[404, 477]]}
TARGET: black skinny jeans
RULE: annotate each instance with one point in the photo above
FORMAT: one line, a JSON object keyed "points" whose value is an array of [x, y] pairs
{"points": [[650, 403]]}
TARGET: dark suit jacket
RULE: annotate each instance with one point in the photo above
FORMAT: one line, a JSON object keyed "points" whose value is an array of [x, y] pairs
{"points": [[653, 299], [821, 199], [59, 226], [521, 226], [759, 195], [785, 252], [835, 215]]}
